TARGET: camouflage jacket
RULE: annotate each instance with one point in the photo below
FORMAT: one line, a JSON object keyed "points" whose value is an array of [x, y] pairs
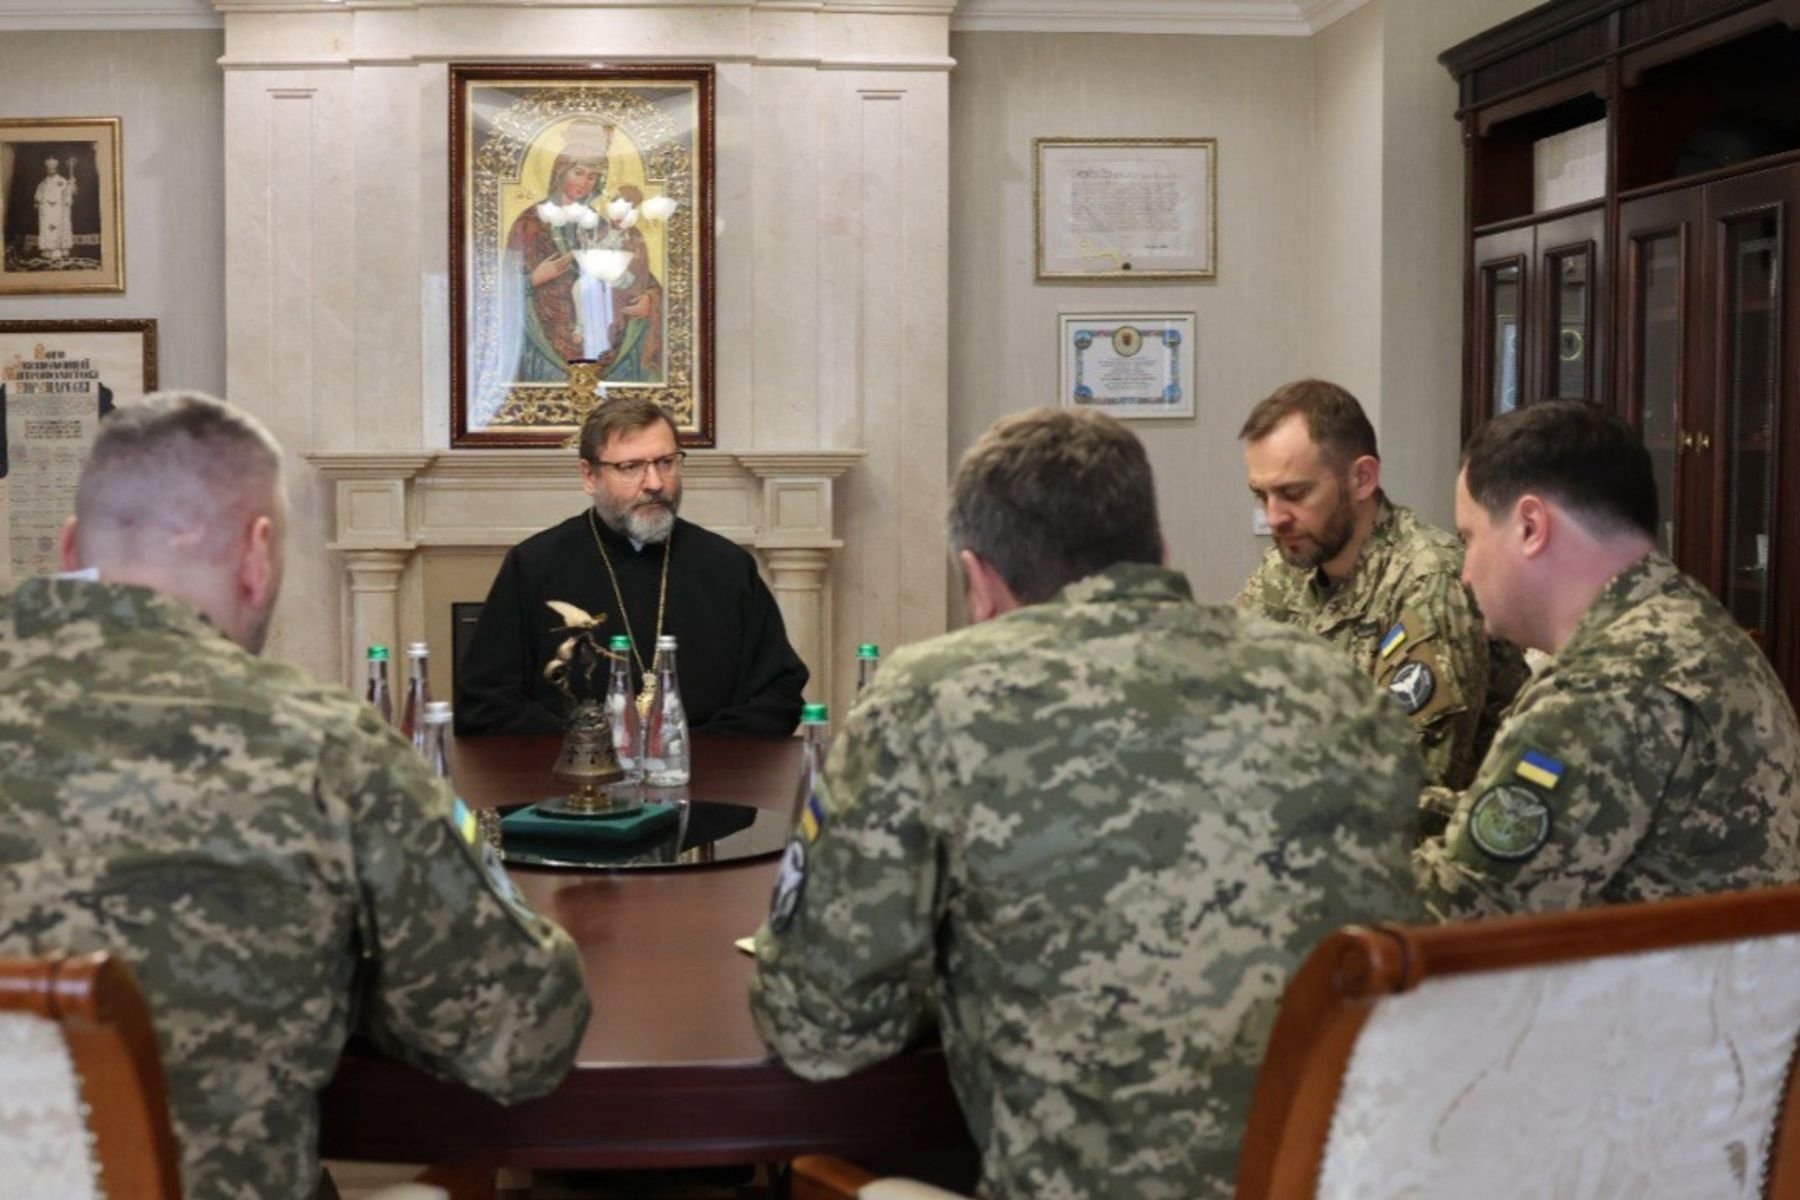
{"points": [[1096, 835], [275, 864], [1405, 619], [1655, 755]]}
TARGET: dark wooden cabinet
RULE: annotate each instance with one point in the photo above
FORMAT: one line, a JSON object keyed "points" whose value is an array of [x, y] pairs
{"points": [[1664, 294], [1539, 314]]}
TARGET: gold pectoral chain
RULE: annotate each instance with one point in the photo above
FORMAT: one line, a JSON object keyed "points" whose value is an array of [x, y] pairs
{"points": [[647, 691]]}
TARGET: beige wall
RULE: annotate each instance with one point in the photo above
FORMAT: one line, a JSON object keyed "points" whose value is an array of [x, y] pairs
{"points": [[164, 87], [1344, 284], [1255, 95], [1340, 239], [1422, 245]]}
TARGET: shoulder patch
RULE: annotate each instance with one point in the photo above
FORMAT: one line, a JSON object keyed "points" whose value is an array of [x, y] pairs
{"points": [[1413, 685], [812, 818], [489, 864], [1393, 639], [1534, 766], [790, 881], [1510, 823], [463, 821]]}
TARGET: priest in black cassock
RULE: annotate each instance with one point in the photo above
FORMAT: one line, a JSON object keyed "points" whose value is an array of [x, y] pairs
{"points": [[629, 556]]}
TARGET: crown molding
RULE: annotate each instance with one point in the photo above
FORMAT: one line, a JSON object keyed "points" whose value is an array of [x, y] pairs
{"points": [[1234, 18], [1267, 18], [107, 15]]}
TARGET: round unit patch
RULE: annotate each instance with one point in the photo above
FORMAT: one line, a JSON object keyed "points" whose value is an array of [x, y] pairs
{"points": [[1510, 823], [1412, 685], [789, 882]]}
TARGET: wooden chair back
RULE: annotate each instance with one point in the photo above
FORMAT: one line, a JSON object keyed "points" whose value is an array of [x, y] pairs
{"points": [[105, 1026], [824, 1177], [1635, 1018]]}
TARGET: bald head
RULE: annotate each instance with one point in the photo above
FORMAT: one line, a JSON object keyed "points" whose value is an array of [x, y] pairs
{"points": [[182, 493]]}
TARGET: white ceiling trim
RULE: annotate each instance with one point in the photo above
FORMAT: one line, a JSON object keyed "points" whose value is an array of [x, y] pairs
{"points": [[1225, 18], [107, 15], [1278, 18]]}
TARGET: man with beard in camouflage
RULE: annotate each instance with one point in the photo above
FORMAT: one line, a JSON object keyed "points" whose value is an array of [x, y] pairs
{"points": [[1656, 754], [273, 861], [1369, 577], [1095, 833]]}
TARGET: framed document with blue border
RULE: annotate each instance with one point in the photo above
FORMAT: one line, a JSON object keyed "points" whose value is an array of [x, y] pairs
{"points": [[1128, 365]]}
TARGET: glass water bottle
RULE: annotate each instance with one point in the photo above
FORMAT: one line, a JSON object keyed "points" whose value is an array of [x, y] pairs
{"points": [[666, 761], [622, 711], [418, 694], [376, 692]]}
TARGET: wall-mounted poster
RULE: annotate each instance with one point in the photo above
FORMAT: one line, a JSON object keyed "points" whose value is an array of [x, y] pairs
{"points": [[61, 206], [57, 379], [1129, 364], [581, 232]]}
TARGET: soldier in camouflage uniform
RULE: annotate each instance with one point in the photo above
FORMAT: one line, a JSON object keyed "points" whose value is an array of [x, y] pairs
{"points": [[1656, 755], [273, 861], [1369, 577], [1095, 832]]}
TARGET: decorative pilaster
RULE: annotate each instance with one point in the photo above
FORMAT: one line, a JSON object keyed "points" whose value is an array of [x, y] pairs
{"points": [[373, 530], [799, 578], [374, 577], [795, 538]]}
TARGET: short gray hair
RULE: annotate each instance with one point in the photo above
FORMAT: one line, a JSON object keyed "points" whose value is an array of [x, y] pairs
{"points": [[1050, 496], [614, 418], [180, 464]]}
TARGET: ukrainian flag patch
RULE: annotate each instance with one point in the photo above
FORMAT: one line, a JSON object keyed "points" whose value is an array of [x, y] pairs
{"points": [[812, 818], [1392, 640], [1534, 766], [464, 820]]}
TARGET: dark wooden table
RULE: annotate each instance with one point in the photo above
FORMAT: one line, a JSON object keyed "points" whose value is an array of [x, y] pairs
{"points": [[671, 1071]]}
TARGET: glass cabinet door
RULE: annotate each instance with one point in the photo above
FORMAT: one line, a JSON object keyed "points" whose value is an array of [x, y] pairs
{"points": [[1569, 340], [1749, 383], [1657, 318], [1503, 291]]}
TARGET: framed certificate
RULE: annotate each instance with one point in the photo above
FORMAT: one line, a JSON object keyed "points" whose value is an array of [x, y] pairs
{"points": [[1129, 365], [1141, 208]]}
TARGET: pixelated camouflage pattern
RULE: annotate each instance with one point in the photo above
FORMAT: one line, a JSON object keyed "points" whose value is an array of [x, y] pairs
{"points": [[1097, 833], [1678, 751], [1410, 573], [277, 866]]}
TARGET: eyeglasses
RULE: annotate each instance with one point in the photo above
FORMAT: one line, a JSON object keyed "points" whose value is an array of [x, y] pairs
{"points": [[632, 469]]}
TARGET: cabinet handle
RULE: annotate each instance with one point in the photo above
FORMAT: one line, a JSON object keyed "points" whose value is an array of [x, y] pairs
{"points": [[1687, 441], [1705, 441]]}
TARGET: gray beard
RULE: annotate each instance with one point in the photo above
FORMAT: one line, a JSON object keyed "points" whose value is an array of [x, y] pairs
{"points": [[650, 523]]}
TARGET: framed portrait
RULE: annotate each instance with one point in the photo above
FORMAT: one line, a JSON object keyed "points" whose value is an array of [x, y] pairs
{"points": [[1137, 208], [1129, 365], [57, 379], [581, 236], [61, 206]]}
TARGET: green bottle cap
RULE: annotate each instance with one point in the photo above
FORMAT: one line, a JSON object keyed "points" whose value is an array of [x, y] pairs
{"points": [[378, 653], [812, 714], [619, 642], [868, 650]]}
